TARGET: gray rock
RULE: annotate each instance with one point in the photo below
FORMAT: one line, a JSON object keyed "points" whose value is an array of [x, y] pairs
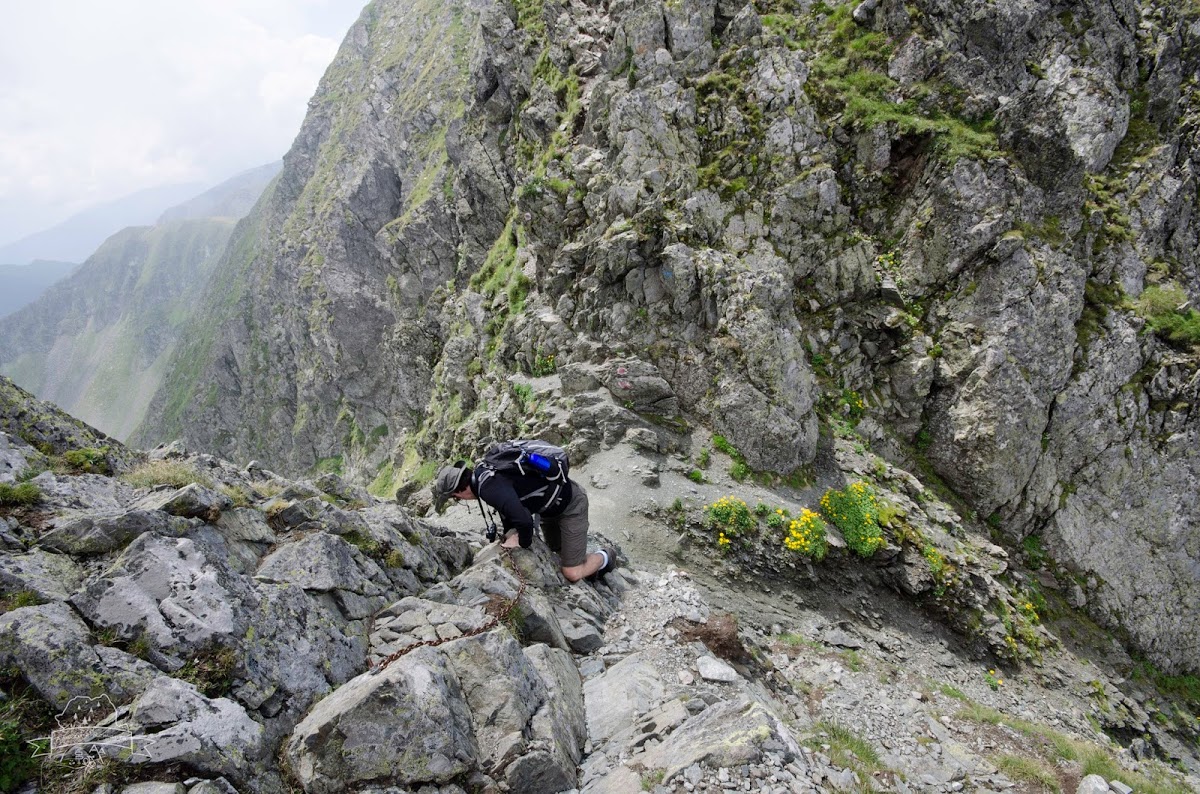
{"points": [[725, 735], [324, 563], [190, 501], [172, 591], [52, 577], [409, 724], [1093, 784], [713, 669], [93, 534], [53, 650], [151, 787], [15, 455], [175, 723], [625, 690], [245, 524]]}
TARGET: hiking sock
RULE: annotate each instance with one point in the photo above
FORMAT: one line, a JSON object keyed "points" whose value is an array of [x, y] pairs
{"points": [[604, 555]]}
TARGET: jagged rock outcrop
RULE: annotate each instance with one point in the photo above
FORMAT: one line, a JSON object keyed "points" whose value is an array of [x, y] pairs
{"points": [[951, 217], [245, 632]]}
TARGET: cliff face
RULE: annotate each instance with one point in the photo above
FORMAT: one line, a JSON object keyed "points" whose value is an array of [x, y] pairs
{"points": [[960, 233]]}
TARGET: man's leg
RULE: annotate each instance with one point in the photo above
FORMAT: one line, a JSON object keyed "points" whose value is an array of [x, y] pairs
{"points": [[573, 528]]}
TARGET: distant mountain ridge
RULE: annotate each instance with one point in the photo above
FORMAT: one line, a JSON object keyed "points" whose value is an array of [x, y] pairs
{"points": [[233, 198], [97, 343], [76, 238], [24, 283]]}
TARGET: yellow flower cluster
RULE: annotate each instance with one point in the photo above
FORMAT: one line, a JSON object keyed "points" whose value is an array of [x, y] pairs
{"points": [[731, 516], [806, 535], [855, 512]]}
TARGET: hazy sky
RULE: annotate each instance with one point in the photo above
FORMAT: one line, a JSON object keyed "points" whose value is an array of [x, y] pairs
{"points": [[102, 99]]}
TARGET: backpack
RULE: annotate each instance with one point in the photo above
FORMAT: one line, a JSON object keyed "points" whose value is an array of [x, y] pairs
{"points": [[528, 459]]}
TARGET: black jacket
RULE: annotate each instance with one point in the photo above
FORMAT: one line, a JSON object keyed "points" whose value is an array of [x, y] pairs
{"points": [[517, 498]]}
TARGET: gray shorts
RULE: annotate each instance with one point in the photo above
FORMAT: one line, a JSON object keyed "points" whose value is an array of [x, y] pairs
{"points": [[566, 533]]}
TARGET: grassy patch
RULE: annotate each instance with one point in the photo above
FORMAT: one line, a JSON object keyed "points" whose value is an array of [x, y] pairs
{"points": [[165, 472], [1029, 770], [23, 716], [849, 78], [1042, 749], [87, 460], [238, 495], [211, 670], [1163, 308], [1183, 687], [19, 495], [951, 691], [847, 749], [21, 598]]}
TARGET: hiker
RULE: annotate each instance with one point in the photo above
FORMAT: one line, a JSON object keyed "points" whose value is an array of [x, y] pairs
{"points": [[523, 478]]}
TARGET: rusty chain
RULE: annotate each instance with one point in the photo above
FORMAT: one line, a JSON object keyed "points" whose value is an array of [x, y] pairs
{"points": [[496, 609]]}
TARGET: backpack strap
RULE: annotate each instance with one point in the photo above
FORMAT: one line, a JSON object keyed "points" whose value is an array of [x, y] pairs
{"points": [[552, 488]]}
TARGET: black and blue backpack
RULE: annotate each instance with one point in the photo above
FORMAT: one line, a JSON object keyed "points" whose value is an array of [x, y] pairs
{"points": [[534, 459]]}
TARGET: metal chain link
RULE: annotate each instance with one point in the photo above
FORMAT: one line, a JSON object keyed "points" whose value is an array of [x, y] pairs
{"points": [[495, 609]]}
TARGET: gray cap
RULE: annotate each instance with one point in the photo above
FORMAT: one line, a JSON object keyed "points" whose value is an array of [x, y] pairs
{"points": [[449, 481]]}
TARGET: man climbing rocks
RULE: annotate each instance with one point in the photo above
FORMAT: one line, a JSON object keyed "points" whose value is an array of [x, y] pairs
{"points": [[523, 478]]}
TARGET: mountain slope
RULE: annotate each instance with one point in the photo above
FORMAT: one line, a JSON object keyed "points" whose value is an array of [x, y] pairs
{"points": [[233, 198], [97, 343], [22, 284], [233, 629], [958, 233]]}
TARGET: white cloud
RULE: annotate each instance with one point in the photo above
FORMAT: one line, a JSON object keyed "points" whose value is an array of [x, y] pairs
{"points": [[99, 100]]}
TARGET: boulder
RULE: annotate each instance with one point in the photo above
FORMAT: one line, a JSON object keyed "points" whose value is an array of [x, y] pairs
{"points": [[55, 652], [52, 577], [92, 534], [177, 593], [627, 689], [190, 501], [726, 734], [407, 724], [173, 723]]}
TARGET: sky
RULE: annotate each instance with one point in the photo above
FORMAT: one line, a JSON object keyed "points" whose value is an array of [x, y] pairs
{"points": [[102, 99]]}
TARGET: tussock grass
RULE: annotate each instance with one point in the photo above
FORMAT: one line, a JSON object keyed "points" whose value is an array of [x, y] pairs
{"points": [[19, 495], [165, 472], [848, 749], [1030, 770], [1041, 756]]}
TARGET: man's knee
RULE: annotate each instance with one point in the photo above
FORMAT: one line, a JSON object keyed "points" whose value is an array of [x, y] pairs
{"points": [[572, 573]]}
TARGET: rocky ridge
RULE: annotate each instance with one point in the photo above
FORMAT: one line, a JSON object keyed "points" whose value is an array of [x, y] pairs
{"points": [[245, 632], [969, 224]]}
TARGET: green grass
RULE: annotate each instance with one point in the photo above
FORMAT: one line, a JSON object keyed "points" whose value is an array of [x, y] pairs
{"points": [[1183, 687], [849, 78], [21, 598], [19, 495], [165, 472], [951, 691], [1030, 770], [88, 460], [847, 749], [1160, 306], [1054, 746]]}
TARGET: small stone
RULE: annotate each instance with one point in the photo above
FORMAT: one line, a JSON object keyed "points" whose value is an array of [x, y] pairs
{"points": [[713, 669]]}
